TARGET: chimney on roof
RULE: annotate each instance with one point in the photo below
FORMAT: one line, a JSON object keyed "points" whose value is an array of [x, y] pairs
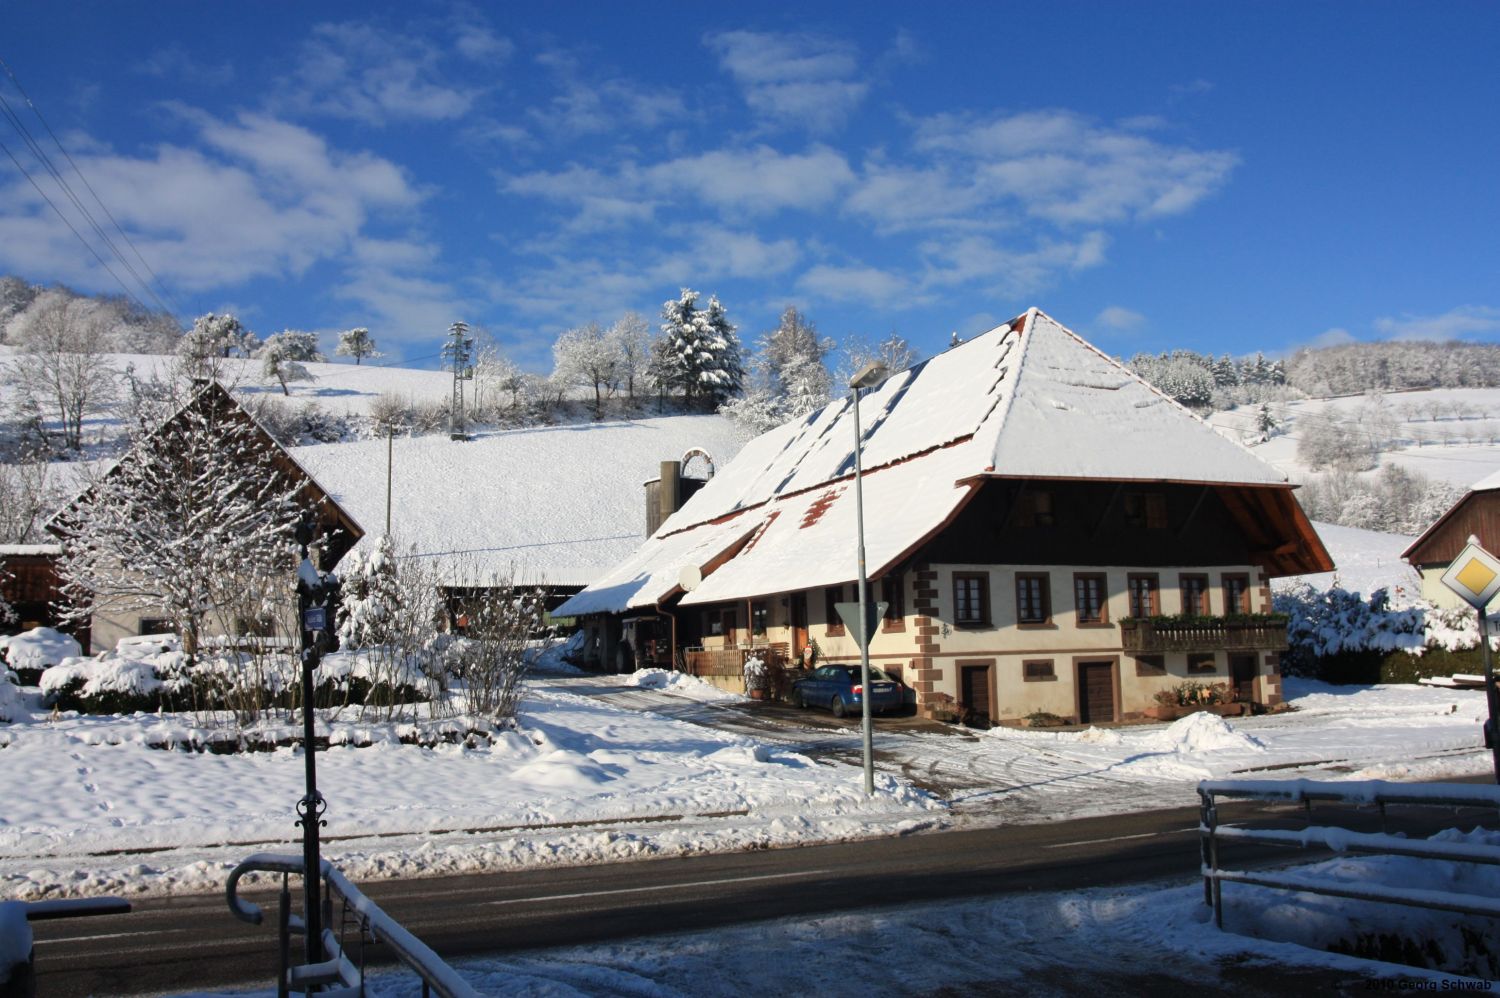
{"points": [[663, 495]]}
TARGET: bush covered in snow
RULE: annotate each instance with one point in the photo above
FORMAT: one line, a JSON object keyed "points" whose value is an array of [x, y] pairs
{"points": [[227, 686], [29, 652], [1329, 629]]}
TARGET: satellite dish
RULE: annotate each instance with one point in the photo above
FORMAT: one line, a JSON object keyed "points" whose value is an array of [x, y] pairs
{"points": [[690, 578]]}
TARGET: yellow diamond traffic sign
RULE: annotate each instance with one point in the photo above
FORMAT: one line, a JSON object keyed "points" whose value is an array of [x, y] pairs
{"points": [[1474, 575]]}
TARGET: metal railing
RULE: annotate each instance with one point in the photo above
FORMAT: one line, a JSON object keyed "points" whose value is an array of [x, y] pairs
{"points": [[338, 974], [1374, 793], [21, 978]]}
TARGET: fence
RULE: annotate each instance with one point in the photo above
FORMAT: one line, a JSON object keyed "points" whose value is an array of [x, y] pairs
{"points": [[1375, 793], [338, 974]]}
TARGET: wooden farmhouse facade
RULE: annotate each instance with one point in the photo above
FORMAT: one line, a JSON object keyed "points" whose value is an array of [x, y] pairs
{"points": [[1050, 533], [1477, 514], [336, 531]]}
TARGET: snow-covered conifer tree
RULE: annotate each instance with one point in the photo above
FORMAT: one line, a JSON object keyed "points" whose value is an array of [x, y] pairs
{"points": [[702, 352], [356, 343], [283, 354]]}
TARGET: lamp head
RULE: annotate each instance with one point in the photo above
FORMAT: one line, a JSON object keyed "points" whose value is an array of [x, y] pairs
{"points": [[872, 375]]}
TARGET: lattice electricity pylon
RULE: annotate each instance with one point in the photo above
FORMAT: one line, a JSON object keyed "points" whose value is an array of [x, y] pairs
{"points": [[459, 351]]}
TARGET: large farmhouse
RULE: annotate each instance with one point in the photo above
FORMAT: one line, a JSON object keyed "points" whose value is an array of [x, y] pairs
{"points": [[1051, 535], [1477, 514]]}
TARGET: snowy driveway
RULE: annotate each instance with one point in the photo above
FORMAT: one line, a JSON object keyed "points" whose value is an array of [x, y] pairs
{"points": [[1383, 732]]}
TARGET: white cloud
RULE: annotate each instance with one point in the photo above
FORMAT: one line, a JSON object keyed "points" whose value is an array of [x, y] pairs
{"points": [[257, 198], [361, 72], [1007, 271], [1334, 337], [1066, 169], [802, 79], [758, 180], [855, 283], [174, 62], [1119, 317], [754, 181], [1458, 323], [588, 106]]}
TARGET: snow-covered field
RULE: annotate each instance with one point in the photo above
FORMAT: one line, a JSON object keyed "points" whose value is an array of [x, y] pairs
{"points": [[551, 504], [1436, 442]]}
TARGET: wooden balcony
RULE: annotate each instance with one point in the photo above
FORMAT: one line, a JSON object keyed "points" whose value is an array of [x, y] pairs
{"points": [[1155, 635]]}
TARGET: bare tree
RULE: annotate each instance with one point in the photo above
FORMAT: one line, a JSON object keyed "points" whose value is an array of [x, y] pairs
{"points": [[631, 336], [61, 363], [29, 493], [586, 357]]}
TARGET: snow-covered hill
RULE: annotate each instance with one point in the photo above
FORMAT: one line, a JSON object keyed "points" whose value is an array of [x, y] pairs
{"points": [[1449, 434], [553, 504]]}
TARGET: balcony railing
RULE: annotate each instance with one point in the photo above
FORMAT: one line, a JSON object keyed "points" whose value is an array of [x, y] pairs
{"points": [[731, 661], [1148, 635]]}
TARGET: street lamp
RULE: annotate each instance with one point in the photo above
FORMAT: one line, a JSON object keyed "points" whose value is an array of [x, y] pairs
{"points": [[872, 375]]}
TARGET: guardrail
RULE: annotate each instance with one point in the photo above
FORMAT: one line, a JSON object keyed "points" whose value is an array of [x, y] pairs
{"points": [[359, 912], [1375, 793]]}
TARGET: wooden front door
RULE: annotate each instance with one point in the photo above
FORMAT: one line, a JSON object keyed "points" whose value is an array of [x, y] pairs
{"points": [[974, 689], [1096, 692], [799, 625], [1242, 669]]}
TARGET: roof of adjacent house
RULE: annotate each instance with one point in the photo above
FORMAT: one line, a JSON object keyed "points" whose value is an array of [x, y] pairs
{"points": [[1028, 399], [1475, 513], [344, 529]]}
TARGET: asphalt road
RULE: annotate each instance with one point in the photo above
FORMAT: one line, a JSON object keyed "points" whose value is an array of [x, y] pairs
{"points": [[175, 944]]}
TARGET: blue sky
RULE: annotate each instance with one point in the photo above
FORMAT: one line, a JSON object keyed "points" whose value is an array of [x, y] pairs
{"points": [[1225, 177]]}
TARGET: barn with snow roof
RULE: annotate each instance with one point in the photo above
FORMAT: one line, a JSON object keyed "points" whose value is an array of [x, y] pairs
{"points": [[1051, 534]]}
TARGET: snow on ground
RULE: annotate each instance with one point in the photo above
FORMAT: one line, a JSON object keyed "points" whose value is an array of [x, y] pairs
{"points": [[680, 684], [556, 504], [1365, 560], [78, 787]]}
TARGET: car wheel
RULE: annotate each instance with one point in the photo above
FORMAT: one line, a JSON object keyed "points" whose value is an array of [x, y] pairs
{"points": [[838, 708], [797, 700]]}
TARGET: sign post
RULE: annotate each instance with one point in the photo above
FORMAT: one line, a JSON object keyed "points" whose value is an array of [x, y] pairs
{"points": [[861, 627], [1475, 577]]}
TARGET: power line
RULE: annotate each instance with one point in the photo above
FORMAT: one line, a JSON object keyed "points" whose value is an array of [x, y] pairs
{"points": [[86, 244], [95, 194]]}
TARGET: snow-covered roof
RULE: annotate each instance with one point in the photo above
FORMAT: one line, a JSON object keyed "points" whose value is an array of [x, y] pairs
{"points": [[555, 505], [1488, 483], [1026, 399], [32, 550]]}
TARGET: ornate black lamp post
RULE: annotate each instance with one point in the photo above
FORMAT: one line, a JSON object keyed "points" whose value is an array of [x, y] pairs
{"points": [[315, 593]]}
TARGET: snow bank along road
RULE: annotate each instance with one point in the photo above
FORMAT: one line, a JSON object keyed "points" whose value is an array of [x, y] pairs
{"points": [[192, 942]]}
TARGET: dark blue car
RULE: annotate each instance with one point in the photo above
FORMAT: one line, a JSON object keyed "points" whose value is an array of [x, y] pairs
{"points": [[837, 687]]}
